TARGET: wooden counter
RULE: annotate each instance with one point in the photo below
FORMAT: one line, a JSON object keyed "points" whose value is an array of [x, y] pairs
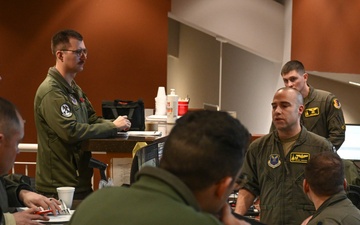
{"points": [[124, 144], [117, 145]]}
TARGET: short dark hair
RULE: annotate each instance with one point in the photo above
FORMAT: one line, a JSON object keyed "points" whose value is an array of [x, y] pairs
{"points": [[204, 147], [325, 173], [61, 39], [9, 120], [293, 65]]}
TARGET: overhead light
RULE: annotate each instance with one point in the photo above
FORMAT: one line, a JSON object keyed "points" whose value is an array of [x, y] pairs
{"points": [[354, 83]]}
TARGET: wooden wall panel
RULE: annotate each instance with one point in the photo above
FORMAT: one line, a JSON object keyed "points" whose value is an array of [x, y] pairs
{"points": [[126, 40], [325, 35]]}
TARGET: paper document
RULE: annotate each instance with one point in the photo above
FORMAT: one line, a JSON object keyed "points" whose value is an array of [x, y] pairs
{"points": [[144, 133], [160, 118]]}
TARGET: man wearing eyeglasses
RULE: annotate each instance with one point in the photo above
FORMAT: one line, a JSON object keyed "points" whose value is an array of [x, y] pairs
{"points": [[64, 117]]}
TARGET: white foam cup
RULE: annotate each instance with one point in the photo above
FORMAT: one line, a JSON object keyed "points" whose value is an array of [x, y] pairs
{"points": [[161, 92], [66, 194]]}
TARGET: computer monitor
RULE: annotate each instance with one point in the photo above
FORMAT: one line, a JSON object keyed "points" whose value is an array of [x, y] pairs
{"points": [[149, 155], [350, 149], [211, 107]]}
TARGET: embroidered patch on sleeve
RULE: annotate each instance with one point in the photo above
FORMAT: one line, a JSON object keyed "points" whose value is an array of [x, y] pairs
{"points": [[336, 103], [65, 110]]}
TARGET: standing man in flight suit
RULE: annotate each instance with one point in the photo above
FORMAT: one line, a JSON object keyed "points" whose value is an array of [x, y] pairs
{"points": [[64, 117], [322, 114], [274, 164]]}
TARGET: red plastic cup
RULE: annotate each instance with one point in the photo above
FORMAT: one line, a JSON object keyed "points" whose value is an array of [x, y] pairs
{"points": [[182, 107]]}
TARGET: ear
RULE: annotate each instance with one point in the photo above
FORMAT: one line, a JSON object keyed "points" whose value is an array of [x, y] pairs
{"points": [[59, 55], [223, 186], [305, 186], [345, 184], [306, 76], [301, 109]]}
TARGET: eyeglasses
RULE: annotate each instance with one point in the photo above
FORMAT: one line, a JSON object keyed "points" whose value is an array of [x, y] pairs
{"points": [[78, 52]]}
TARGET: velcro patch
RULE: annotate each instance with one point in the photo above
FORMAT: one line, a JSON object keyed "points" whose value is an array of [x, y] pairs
{"points": [[312, 112], [299, 157], [65, 110], [274, 160], [336, 103]]}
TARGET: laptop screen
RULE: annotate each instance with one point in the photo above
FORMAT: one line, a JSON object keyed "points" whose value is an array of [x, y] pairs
{"points": [[149, 155], [211, 107]]}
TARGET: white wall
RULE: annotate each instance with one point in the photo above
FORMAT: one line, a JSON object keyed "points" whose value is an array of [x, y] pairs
{"points": [[248, 81], [254, 25], [250, 76], [251, 62], [195, 70]]}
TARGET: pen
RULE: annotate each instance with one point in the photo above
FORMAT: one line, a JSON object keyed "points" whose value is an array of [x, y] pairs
{"points": [[43, 212]]}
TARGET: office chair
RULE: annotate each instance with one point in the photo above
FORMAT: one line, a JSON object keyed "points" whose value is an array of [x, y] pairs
{"points": [[104, 181], [353, 193]]}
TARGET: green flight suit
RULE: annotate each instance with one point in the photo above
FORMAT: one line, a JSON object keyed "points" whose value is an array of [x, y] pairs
{"points": [[323, 116], [278, 179], [158, 197], [337, 209], [64, 117], [10, 186]]}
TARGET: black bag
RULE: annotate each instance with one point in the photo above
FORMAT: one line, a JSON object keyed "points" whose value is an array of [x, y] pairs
{"points": [[133, 110]]}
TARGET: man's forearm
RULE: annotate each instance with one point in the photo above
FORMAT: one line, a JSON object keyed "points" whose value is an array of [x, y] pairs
{"points": [[244, 201]]}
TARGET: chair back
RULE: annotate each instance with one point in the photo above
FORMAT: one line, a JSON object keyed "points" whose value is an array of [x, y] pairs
{"points": [[353, 193]]}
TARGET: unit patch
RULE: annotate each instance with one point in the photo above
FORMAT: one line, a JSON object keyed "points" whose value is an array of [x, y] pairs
{"points": [[336, 103], [73, 100], [65, 110], [299, 157], [312, 112], [274, 160]]}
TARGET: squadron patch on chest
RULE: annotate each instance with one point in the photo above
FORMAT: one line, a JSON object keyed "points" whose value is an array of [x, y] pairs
{"points": [[65, 110], [299, 157], [309, 112], [274, 160], [336, 103], [73, 100]]}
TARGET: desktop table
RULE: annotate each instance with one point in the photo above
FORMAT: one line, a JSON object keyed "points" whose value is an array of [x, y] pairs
{"points": [[118, 145], [124, 144], [113, 151]]}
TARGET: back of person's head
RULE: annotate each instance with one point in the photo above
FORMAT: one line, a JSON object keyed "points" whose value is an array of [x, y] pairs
{"points": [[204, 147], [325, 173], [293, 65], [9, 120], [11, 131], [61, 39]]}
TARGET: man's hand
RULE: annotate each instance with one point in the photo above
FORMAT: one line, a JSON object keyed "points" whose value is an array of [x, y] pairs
{"points": [[29, 217], [122, 123], [34, 200]]}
